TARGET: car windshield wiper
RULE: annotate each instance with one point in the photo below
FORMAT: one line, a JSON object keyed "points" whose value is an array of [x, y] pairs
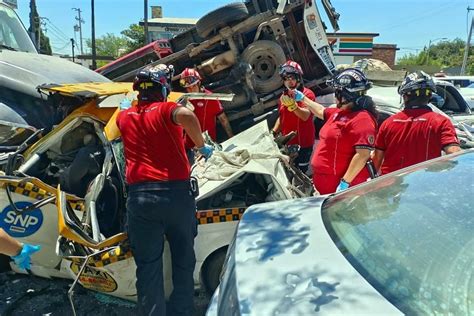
{"points": [[7, 47]]}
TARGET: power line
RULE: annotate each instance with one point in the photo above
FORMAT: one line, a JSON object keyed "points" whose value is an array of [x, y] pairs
{"points": [[61, 48], [57, 29], [57, 35], [418, 17]]}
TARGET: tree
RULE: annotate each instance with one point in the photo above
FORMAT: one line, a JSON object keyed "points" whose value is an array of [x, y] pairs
{"points": [[108, 45], [444, 54], [35, 28], [135, 35]]}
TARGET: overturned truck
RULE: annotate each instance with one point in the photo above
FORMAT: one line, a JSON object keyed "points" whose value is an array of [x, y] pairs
{"points": [[238, 49]]}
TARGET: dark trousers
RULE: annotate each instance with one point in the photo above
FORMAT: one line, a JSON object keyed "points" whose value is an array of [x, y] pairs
{"points": [[191, 156], [156, 209], [302, 161]]}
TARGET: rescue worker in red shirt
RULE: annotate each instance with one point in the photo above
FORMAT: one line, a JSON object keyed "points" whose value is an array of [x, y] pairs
{"points": [[206, 110], [160, 199], [294, 116], [348, 135], [417, 133]]}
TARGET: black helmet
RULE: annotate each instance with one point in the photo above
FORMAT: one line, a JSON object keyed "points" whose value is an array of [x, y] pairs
{"points": [[152, 80], [351, 83], [416, 84]]}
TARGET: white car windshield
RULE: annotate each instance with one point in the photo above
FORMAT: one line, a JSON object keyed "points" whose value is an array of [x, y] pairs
{"points": [[411, 235], [13, 35]]}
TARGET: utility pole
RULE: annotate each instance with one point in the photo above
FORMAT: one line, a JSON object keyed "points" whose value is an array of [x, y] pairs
{"points": [[33, 31], [468, 43], [72, 46], [80, 21], [94, 54], [38, 30], [145, 21]]}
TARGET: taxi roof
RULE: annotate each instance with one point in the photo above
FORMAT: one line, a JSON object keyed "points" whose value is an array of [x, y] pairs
{"points": [[88, 89]]}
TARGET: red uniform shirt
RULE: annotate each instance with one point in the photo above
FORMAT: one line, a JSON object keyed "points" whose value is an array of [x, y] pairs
{"points": [[153, 143], [290, 122], [206, 111], [412, 136], [343, 132]]}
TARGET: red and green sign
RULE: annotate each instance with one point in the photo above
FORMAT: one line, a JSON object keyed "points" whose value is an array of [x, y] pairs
{"points": [[352, 45]]}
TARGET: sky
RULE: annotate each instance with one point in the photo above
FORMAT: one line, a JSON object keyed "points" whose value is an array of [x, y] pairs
{"points": [[410, 24]]}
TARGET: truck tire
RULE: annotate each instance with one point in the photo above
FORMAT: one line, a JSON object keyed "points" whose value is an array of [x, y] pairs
{"points": [[221, 17], [212, 270], [265, 57]]}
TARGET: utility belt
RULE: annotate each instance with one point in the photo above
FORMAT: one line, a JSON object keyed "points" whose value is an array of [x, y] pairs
{"points": [[371, 169], [191, 184]]}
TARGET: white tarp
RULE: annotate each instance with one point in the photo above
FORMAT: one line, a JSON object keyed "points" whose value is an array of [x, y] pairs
{"points": [[253, 150]]}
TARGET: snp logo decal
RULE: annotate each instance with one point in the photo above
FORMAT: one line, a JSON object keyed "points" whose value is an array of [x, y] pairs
{"points": [[23, 224]]}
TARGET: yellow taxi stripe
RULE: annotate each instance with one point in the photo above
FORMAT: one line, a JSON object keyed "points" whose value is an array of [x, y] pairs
{"points": [[116, 254], [220, 215], [32, 190]]}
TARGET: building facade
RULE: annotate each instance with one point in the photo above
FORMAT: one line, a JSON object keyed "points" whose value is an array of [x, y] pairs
{"points": [[351, 47], [166, 28]]}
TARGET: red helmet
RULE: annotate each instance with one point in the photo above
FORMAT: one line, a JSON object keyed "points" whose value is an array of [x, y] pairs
{"points": [[291, 68], [189, 77]]}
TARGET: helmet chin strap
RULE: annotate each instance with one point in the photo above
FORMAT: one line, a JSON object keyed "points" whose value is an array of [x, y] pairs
{"points": [[341, 103], [290, 88], [164, 93]]}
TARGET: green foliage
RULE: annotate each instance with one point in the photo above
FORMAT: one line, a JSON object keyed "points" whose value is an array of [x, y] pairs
{"points": [[116, 46], [443, 54], [109, 45], [135, 37], [45, 47]]}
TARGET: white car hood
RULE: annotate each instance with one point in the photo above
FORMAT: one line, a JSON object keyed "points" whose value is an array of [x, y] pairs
{"points": [[287, 264]]}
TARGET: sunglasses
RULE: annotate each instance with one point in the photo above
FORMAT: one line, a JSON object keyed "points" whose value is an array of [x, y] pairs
{"points": [[289, 77]]}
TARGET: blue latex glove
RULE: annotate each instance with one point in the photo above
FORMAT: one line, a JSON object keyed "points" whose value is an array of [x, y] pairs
{"points": [[206, 151], [343, 185], [125, 104], [23, 258], [297, 95]]}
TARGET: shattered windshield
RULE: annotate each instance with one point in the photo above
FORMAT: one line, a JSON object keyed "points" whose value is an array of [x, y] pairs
{"points": [[117, 148], [410, 235], [13, 35]]}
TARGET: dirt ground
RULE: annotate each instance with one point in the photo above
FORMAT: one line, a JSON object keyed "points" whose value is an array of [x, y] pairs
{"points": [[29, 295]]}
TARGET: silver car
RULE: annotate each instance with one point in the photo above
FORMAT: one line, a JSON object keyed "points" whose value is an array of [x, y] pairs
{"points": [[399, 244]]}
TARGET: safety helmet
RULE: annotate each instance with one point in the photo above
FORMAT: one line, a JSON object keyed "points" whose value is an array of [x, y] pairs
{"points": [[291, 68], [189, 77], [416, 84], [351, 83], [152, 80]]}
